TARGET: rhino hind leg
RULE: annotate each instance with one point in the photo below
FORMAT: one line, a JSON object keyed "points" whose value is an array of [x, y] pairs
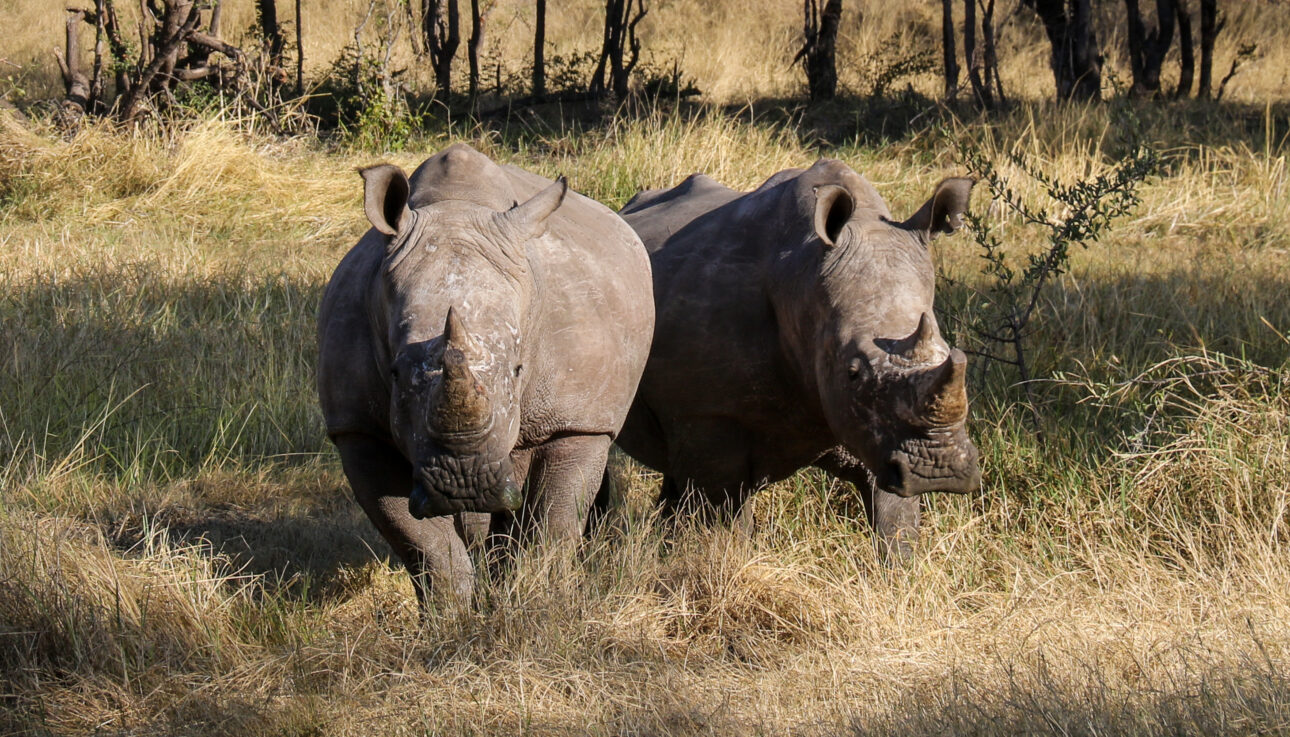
{"points": [[431, 549], [609, 499]]}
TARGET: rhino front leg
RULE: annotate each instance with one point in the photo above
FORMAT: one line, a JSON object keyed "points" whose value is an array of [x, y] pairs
{"points": [[432, 549], [894, 519], [566, 475]]}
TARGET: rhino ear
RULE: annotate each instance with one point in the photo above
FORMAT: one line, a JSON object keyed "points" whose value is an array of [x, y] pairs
{"points": [[528, 219], [943, 213], [833, 208], [385, 196]]}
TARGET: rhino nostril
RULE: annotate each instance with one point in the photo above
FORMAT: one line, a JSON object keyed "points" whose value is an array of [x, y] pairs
{"points": [[418, 500], [897, 475], [511, 498]]}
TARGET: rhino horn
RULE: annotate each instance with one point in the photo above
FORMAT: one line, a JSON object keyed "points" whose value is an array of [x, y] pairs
{"points": [[456, 335], [528, 219], [462, 404], [921, 346], [946, 392]]}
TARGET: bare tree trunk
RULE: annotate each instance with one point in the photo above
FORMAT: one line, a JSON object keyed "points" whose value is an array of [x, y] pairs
{"points": [[1076, 58], [300, 52], [177, 24], [539, 52], [439, 25], [100, 44], [112, 26], [478, 21], [980, 89], [621, 19], [1187, 62], [76, 84], [178, 15], [950, 55], [819, 50], [1209, 28], [1147, 49], [991, 55], [266, 12]]}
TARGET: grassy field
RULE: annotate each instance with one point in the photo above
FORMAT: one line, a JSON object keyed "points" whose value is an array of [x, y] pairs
{"points": [[179, 553]]}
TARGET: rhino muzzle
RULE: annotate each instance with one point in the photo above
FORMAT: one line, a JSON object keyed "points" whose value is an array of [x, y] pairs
{"points": [[945, 461], [451, 485]]}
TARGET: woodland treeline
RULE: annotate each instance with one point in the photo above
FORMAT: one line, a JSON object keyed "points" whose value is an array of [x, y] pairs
{"points": [[177, 50]]}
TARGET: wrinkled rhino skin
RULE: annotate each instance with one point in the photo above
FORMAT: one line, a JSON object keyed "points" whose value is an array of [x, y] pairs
{"points": [[478, 355], [795, 327]]}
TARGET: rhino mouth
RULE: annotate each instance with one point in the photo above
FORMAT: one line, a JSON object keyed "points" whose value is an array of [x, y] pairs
{"points": [[944, 462], [449, 485]]}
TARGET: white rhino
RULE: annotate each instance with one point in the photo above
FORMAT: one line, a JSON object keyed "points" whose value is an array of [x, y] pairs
{"points": [[795, 328], [477, 355]]}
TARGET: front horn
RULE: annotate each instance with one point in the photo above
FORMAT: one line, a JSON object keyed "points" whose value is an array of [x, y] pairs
{"points": [[946, 394], [462, 405]]}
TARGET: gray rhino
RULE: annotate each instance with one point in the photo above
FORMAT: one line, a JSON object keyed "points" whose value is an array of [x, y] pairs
{"points": [[477, 355], [795, 327]]}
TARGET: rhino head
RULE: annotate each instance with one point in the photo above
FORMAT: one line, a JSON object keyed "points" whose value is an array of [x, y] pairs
{"points": [[890, 387], [455, 293]]}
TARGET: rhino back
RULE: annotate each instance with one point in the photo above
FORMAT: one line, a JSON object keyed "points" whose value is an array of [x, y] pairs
{"points": [[593, 314], [656, 214]]}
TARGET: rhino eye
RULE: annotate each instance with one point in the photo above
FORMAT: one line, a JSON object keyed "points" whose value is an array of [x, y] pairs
{"points": [[394, 373], [518, 368], [855, 367]]}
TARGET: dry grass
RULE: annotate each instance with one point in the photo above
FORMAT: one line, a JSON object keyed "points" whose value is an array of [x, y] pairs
{"points": [[178, 554]]}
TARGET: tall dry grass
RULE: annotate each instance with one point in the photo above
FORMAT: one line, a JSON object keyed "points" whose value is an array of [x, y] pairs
{"points": [[178, 554]]}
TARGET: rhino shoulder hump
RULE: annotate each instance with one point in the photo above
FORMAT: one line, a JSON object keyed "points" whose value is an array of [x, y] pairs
{"points": [[459, 172]]}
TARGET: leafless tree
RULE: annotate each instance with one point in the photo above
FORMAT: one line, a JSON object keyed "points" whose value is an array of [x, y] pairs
{"points": [[478, 24], [620, 49], [76, 101], [539, 52], [1187, 52], [1210, 25], [1076, 58], [819, 48], [982, 62], [300, 52], [1148, 46], [949, 53], [174, 50], [267, 16], [439, 21]]}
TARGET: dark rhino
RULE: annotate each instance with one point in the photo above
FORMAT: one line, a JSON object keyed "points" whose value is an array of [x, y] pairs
{"points": [[479, 355], [795, 327]]}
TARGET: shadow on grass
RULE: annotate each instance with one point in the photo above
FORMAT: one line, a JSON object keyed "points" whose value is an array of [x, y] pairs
{"points": [[148, 375], [311, 552], [1173, 694], [906, 116]]}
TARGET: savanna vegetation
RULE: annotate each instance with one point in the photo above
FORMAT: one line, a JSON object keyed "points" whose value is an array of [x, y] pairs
{"points": [[178, 550]]}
